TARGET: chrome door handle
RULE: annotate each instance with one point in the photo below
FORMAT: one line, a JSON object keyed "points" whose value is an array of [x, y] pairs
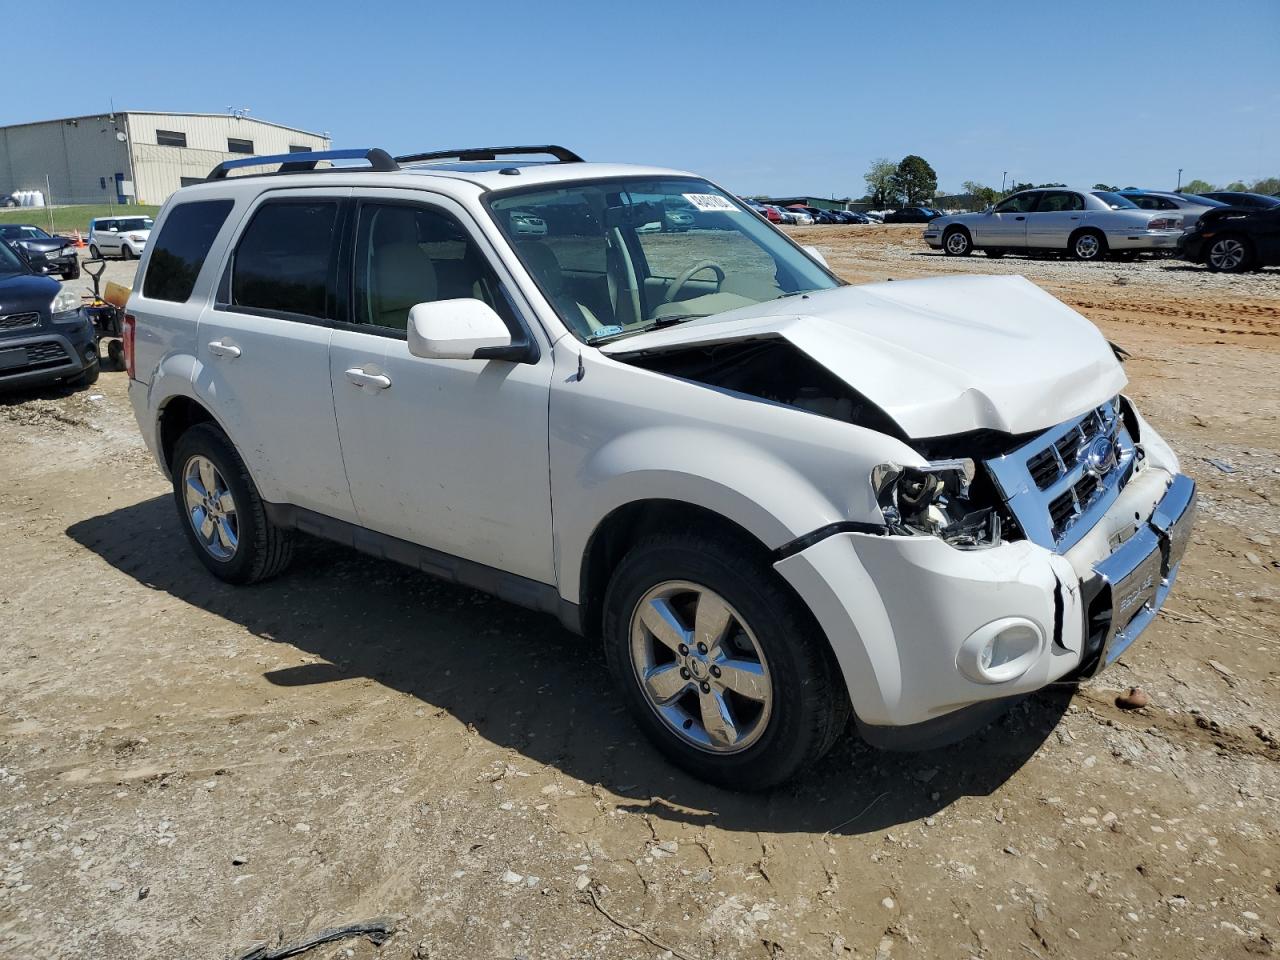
{"points": [[220, 349], [374, 381]]}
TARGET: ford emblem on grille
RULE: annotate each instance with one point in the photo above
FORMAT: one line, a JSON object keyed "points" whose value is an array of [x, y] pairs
{"points": [[1099, 456]]}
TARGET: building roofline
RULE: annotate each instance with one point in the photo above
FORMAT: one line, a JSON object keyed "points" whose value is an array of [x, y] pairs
{"points": [[161, 113]]}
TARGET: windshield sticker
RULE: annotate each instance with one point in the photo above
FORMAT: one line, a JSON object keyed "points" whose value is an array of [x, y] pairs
{"points": [[710, 203]]}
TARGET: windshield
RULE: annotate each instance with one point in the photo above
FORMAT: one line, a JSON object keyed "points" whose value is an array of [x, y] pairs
{"points": [[135, 223], [616, 257], [11, 265], [22, 232], [1114, 200]]}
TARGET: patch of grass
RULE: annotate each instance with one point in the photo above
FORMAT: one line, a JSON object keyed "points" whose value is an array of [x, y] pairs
{"points": [[69, 219]]}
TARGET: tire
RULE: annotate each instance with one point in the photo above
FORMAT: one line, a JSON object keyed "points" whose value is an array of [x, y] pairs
{"points": [[1087, 245], [93, 253], [88, 378], [956, 242], [73, 273], [258, 548], [1230, 253], [126, 252], [115, 353], [995, 254], [797, 705]]}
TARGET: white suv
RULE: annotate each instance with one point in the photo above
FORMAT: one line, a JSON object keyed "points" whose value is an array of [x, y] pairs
{"points": [[124, 237], [779, 499]]}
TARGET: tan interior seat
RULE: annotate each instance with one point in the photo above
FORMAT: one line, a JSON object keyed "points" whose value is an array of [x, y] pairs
{"points": [[400, 272], [545, 266]]}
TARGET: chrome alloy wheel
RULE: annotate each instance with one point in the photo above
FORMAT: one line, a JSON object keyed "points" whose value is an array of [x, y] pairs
{"points": [[1087, 246], [1227, 254], [211, 508], [957, 243], [700, 668]]}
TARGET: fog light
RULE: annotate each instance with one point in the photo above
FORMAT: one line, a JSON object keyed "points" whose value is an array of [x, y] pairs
{"points": [[91, 353], [1001, 651]]}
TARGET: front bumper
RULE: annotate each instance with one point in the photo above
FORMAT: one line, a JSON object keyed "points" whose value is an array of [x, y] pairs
{"points": [[933, 238], [903, 614], [48, 353]]}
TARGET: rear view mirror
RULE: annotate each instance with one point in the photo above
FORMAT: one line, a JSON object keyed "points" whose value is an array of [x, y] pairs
{"points": [[464, 329]]}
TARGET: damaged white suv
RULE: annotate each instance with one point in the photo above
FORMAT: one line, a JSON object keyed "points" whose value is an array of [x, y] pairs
{"points": [[781, 500]]}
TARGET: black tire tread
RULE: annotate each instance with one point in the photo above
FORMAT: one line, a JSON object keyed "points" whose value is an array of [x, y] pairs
{"points": [[270, 547]]}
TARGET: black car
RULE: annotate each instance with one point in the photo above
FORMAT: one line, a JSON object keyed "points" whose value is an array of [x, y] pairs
{"points": [[911, 215], [44, 334], [1249, 201], [45, 253], [1232, 239]]}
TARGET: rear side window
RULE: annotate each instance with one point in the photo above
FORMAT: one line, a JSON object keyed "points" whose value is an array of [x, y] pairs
{"points": [[285, 257], [181, 247]]}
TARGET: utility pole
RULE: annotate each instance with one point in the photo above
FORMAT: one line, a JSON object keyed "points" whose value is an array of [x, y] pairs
{"points": [[1003, 177], [1179, 186]]}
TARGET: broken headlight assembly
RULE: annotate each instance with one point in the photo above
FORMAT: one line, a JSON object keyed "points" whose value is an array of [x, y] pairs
{"points": [[935, 500]]}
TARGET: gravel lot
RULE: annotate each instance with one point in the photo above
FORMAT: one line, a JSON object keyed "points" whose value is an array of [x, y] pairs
{"points": [[188, 768]]}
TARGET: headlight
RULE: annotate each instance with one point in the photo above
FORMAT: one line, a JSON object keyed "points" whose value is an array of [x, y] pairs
{"points": [[65, 306], [935, 500], [137, 238]]}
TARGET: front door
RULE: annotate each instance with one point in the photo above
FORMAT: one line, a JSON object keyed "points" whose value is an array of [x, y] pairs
{"points": [[1006, 225], [449, 454], [263, 350]]}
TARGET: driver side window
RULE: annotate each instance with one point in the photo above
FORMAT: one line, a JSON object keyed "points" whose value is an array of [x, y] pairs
{"points": [[407, 254], [1018, 203]]}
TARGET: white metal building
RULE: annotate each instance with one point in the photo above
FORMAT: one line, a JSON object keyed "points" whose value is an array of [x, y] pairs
{"points": [[134, 155]]}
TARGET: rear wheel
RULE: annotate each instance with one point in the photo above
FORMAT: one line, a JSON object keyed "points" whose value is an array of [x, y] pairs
{"points": [[93, 253], [956, 242], [1229, 254], [126, 252], [222, 514], [722, 666], [1088, 245]]}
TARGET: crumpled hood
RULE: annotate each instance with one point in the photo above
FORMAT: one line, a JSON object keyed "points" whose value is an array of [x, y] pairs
{"points": [[940, 356]]}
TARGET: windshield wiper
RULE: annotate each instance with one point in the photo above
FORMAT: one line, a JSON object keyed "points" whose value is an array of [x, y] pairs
{"points": [[657, 324]]}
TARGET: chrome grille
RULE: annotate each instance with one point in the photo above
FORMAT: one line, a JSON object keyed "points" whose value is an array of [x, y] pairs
{"points": [[1058, 484], [15, 321]]}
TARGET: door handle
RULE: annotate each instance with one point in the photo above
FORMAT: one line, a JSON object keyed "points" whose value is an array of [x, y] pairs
{"points": [[220, 349], [1075, 218], [374, 381], [1019, 218]]}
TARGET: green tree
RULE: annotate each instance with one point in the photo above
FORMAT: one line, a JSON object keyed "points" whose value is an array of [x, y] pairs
{"points": [[1267, 185], [915, 180], [1051, 185], [1017, 187], [879, 178], [1237, 186], [1197, 186], [1104, 186], [983, 196]]}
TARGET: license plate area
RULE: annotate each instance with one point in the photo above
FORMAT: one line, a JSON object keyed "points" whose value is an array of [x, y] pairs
{"points": [[13, 357]]}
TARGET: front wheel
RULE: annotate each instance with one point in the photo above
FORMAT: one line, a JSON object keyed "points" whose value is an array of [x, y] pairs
{"points": [[956, 242], [93, 253], [721, 665], [126, 252], [1229, 254], [73, 273], [222, 514], [1088, 245]]}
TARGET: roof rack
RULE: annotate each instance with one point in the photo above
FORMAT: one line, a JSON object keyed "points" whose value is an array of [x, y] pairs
{"points": [[562, 154], [379, 161]]}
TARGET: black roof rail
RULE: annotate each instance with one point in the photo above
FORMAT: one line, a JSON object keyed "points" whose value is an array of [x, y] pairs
{"points": [[379, 161], [562, 154]]}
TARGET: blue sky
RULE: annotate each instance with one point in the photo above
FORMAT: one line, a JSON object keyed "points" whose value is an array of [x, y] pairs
{"points": [[764, 97]]}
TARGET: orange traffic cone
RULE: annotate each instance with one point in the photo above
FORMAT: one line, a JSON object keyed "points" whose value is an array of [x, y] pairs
{"points": [[80, 244]]}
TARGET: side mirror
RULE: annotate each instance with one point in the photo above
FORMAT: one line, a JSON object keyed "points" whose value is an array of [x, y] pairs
{"points": [[115, 229], [817, 255], [463, 329]]}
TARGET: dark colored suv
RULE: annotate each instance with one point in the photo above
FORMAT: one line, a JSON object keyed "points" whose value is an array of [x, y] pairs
{"points": [[44, 335]]}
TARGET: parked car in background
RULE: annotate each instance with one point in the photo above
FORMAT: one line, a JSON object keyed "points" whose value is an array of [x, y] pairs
{"points": [[781, 501], [768, 211], [44, 252], [875, 216], [526, 224], [679, 219], [911, 215], [1235, 239], [1086, 224], [756, 206], [124, 237], [852, 216], [8, 200], [1189, 206], [1250, 201], [44, 335], [800, 218]]}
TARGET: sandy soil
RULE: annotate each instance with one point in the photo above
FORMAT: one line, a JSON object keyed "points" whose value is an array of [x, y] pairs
{"points": [[187, 768]]}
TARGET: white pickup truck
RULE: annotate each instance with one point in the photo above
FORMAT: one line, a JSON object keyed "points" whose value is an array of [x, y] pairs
{"points": [[781, 501]]}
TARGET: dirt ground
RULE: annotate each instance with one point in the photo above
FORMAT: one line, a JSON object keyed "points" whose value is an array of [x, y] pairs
{"points": [[187, 768]]}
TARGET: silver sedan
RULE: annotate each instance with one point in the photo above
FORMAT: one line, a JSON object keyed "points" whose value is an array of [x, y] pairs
{"points": [[1087, 224]]}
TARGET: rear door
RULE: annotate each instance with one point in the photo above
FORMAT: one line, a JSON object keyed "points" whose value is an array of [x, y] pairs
{"points": [[1005, 225], [1057, 214], [263, 348]]}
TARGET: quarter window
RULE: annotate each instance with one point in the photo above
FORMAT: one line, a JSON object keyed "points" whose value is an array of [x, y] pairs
{"points": [[284, 261], [180, 250], [239, 146], [171, 138], [406, 255]]}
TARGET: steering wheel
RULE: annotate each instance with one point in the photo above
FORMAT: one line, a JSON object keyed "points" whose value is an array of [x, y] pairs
{"points": [[678, 283]]}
